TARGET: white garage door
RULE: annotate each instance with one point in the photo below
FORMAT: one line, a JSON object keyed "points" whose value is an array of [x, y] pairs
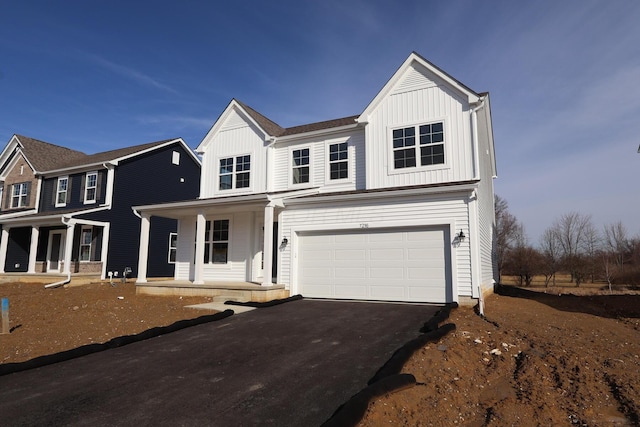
{"points": [[390, 265]]}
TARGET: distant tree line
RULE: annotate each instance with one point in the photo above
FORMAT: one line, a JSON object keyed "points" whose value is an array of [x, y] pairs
{"points": [[571, 245]]}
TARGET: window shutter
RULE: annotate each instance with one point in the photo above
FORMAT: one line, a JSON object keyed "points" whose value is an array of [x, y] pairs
{"points": [[83, 180], [68, 195], [28, 185], [99, 180], [54, 190], [7, 202]]}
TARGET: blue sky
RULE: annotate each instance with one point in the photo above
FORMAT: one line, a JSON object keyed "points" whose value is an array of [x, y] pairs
{"points": [[564, 79]]}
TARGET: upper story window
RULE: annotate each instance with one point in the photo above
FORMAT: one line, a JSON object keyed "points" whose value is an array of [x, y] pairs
{"points": [[300, 165], [216, 237], [91, 187], [85, 243], [241, 178], [429, 147], [20, 195], [338, 161], [61, 191]]}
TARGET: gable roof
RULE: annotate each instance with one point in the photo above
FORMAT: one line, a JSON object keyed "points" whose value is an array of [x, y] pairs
{"points": [[414, 58], [45, 157]]}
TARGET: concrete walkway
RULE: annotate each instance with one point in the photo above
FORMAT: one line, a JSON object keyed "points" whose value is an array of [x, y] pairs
{"points": [[288, 365]]}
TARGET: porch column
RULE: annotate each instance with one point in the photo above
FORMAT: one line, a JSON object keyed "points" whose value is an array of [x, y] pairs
{"points": [[267, 271], [4, 241], [201, 223], [143, 252], [68, 247], [33, 249]]}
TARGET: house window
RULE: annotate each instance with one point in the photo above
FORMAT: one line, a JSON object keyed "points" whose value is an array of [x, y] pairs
{"points": [[86, 236], [243, 166], [429, 149], [90, 187], [338, 161], [19, 195], [216, 241], [242, 172], [173, 247], [61, 191], [300, 163], [431, 144]]}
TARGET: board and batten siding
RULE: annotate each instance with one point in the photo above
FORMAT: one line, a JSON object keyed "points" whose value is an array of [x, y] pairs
{"points": [[389, 213], [319, 157], [419, 97], [236, 137]]}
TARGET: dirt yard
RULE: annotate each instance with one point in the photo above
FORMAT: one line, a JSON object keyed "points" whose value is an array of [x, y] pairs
{"points": [[537, 359]]}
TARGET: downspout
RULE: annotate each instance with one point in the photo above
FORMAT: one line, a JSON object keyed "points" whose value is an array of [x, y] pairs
{"points": [[68, 279], [474, 136]]}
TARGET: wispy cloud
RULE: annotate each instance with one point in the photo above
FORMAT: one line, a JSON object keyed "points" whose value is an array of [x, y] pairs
{"points": [[128, 73], [180, 121]]}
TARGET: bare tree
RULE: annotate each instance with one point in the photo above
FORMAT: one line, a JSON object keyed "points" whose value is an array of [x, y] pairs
{"points": [[616, 242], [591, 246], [551, 252], [572, 230], [506, 229]]}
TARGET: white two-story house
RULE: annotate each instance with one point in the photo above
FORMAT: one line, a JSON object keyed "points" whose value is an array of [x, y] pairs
{"points": [[393, 204]]}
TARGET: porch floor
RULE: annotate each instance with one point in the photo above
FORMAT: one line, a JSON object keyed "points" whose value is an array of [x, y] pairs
{"points": [[218, 290]]}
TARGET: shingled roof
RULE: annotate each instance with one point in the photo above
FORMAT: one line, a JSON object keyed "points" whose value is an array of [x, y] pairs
{"points": [[45, 156], [273, 129]]}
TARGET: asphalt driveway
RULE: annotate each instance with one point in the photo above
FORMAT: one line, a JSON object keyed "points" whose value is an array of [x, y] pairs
{"points": [[292, 364]]}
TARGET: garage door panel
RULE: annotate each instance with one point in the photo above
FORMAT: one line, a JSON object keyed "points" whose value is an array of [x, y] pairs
{"points": [[351, 254], [396, 265]]}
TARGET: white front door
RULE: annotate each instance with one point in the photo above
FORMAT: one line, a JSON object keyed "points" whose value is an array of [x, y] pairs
{"points": [[55, 250]]}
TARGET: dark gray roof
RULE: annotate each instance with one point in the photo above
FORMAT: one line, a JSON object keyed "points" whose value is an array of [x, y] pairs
{"points": [[273, 129], [45, 156]]}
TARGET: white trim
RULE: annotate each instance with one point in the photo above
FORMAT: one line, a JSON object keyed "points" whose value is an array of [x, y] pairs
{"points": [[33, 249], [311, 134], [327, 161], [83, 228], [66, 191], [291, 166], [86, 187], [62, 249], [175, 248], [474, 245], [106, 229], [4, 241]]}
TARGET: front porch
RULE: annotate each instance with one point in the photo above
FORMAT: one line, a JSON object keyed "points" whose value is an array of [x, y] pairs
{"points": [[218, 290]]}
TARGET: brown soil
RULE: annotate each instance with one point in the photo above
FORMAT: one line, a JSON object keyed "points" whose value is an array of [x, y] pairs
{"points": [[537, 359], [46, 321]]}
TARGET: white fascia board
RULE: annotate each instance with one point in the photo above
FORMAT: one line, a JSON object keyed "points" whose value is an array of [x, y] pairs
{"points": [[7, 152], [315, 133], [79, 168], [4, 217], [414, 57], [202, 203], [233, 105], [14, 161], [48, 219], [390, 194], [155, 147]]}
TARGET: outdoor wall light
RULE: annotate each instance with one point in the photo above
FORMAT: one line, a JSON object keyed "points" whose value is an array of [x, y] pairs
{"points": [[461, 236], [285, 241]]}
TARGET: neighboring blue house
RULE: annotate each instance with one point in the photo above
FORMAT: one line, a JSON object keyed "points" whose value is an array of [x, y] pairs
{"points": [[64, 211]]}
